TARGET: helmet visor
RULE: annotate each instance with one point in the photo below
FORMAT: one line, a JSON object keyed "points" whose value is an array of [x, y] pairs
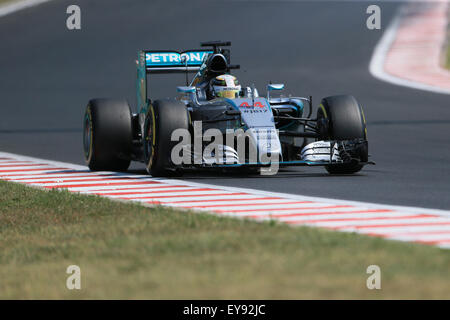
{"points": [[230, 94]]}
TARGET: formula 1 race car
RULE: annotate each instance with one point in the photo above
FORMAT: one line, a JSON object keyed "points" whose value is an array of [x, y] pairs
{"points": [[216, 123]]}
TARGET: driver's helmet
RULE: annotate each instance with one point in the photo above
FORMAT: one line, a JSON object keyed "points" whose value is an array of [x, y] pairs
{"points": [[225, 86]]}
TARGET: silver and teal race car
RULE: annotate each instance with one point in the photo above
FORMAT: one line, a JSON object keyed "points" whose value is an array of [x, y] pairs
{"points": [[239, 129]]}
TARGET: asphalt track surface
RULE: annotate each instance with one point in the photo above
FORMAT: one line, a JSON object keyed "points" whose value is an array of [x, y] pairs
{"points": [[48, 73]]}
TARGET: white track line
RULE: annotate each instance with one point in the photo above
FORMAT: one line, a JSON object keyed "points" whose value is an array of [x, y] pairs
{"points": [[429, 237], [296, 214], [379, 223], [396, 230], [422, 225], [346, 216], [13, 6], [377, 62]]}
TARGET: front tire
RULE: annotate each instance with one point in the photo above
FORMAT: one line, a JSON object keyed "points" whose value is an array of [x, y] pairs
{"points": [[107, 135], [163, 117], [342, 118]]}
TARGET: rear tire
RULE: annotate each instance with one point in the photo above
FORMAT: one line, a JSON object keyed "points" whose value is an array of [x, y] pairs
{"points": [[163, 117], [342, 118], [107, 135]]}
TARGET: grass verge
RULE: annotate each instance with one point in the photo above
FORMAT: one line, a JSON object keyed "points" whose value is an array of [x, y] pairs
{"points": [[129, 251], [3, 2]]}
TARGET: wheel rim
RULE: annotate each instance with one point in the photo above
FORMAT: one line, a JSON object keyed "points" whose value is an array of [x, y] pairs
{"points": [[322, 123], [149, 140], [87, 135]]}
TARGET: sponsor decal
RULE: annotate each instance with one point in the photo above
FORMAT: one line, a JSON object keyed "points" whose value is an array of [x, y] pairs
{"points": [[207, 147], [175, 59]]}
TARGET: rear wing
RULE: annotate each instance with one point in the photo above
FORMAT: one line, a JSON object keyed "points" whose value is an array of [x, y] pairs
{"points": [[165, 61], [170, 61]]}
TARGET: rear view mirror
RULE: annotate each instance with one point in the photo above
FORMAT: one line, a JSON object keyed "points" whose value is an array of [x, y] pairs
{"points": [[275, 86]]}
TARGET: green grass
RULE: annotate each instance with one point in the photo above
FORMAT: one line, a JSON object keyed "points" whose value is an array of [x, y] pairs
{"points": [[6, 1], [129, 251]]}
